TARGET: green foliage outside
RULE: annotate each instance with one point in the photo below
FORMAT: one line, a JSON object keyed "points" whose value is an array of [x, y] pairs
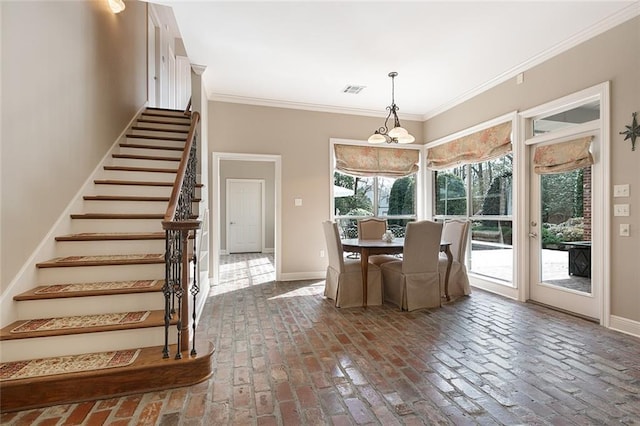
{"points": [[451, 196], [357, 204], [498, 196], [402, 199], [555, 234], [562, 196]]}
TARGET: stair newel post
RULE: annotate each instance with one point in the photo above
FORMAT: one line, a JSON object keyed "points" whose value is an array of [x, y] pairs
{"points": [[166, 291]]}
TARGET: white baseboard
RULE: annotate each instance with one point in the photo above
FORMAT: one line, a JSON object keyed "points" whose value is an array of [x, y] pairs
{"points": [[268, 250], [624, 325], [298, 276]]}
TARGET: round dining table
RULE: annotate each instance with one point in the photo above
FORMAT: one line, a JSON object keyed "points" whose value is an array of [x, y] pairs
{"points": [[367, 248]]}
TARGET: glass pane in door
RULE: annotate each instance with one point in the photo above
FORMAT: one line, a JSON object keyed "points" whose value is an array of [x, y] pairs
{"points": [[565, 252]]}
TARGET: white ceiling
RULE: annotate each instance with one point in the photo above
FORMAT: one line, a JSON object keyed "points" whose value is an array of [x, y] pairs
{"points": [[302, 54]]}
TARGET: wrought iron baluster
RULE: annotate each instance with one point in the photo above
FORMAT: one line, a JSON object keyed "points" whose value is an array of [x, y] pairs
{"points": [[178, 224], [195, 289]]}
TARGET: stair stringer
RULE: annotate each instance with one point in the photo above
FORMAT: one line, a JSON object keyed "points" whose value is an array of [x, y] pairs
{"points": [[26, 276]]}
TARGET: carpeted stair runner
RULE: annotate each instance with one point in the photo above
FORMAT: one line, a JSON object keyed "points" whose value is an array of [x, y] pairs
{"points": [[80, 321], [66, 364], [55, 291], [114, 285], [116, 259]]}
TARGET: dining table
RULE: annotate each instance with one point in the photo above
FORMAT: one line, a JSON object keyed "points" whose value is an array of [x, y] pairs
{"points": [[367, 248]]}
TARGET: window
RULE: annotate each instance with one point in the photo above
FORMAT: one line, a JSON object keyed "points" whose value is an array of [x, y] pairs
{"points": [[359, 197], [481, 192], [374, 181]]}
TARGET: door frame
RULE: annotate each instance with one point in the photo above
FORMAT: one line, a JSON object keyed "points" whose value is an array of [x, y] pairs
{"points": [[601, 183], [262, 209], [214, 183]]}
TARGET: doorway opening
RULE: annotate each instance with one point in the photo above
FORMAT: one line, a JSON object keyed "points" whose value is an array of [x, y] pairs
{"points": [[232, 167]]}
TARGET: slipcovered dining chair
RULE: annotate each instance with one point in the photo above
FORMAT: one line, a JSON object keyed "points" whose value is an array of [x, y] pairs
{"points": [[372, 228], [344, 276], [413, 282], [456, 231]]}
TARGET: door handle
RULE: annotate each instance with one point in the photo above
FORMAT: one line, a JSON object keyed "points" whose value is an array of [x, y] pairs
{"points": [[533, 235], [232, 223]]}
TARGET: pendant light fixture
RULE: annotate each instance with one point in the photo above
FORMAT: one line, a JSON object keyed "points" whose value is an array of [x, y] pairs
{"points": [[397, 134]]}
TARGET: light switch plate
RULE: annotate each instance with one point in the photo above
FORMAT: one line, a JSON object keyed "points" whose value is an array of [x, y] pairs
{"points": [[624, 229], [621, 209], [621, 190], [297, 202]]}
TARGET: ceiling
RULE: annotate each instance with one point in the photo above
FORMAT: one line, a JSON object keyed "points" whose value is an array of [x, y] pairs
{"points": [[303, 54]]}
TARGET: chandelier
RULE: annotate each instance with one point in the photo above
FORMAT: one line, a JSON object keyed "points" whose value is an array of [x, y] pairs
{"points": [[397, 134]]}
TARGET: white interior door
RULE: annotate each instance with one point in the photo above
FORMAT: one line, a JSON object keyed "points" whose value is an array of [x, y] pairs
{"points": [[561, 237], [245, 204]]}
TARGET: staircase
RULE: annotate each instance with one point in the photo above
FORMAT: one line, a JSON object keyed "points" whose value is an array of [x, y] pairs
{"points": [[93, 325]]}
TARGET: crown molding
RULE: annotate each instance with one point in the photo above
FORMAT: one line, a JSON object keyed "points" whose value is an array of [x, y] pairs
{"points": [[606, 24], [307, 107]]}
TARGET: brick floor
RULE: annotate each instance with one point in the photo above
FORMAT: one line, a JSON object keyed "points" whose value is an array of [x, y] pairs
{"points": [[286, 356]]}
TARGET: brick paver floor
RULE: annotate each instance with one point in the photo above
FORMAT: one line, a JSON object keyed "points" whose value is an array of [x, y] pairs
{"points": [[285, 355]]}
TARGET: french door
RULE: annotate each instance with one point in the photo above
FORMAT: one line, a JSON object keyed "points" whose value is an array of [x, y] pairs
{"points": [[560, 240]]}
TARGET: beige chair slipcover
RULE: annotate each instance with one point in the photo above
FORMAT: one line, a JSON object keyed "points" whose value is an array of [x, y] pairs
{"points": [[344, 276], [456, 232], [372, 228], [414, 282]]}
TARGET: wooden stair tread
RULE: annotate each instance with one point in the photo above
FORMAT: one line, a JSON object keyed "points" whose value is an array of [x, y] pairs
{"points": [[165, 119], [117, 216], [159, 138], [154, 319], [130, 182], [163, 114], [101, 260], [148, 373], [156, 121], [112, 236], [135, 182], [145, 146], [129, 198], [90, 289], [124, 198], [140, 169], [146, 157], [128, 216], [159, 129]]}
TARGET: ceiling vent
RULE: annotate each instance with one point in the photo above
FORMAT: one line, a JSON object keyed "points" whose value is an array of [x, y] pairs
{"points": [[354, 90]]}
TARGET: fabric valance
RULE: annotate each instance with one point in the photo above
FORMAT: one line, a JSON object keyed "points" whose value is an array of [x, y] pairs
{"points": [[358, 160], [477, 147], [563, 157]]}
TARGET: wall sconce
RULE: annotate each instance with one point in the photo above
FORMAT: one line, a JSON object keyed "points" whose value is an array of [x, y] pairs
{"points": [[116, 6]]}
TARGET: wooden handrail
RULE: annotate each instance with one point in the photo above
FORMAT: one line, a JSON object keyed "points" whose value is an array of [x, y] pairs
{"points": [[182, 169], [187, 110], [178, 225]]}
